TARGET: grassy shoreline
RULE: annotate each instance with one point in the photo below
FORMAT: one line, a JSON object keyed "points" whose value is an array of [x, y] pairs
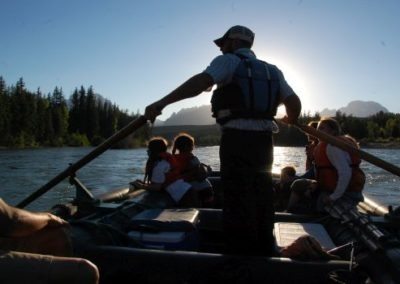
{"points": [[381, 145]]}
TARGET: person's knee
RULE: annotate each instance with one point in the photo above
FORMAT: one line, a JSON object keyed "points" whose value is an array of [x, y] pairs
{"points": [[88, 272], [73, 270], [52, 241]]}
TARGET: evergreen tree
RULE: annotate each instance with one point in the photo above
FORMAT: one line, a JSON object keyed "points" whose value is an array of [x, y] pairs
{"points": [[373, 130], [92, 115], [48, 127], [5, 114], [108, 119], [23, 109], [41, 119], [59, 116], [73, 121], [82, 118], [392, 127]]}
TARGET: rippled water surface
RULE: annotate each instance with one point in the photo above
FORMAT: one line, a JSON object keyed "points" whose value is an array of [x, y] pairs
{"points": [[24, 171]]}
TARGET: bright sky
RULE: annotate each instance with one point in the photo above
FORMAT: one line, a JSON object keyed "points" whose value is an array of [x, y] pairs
{"points": [[135, 52]]}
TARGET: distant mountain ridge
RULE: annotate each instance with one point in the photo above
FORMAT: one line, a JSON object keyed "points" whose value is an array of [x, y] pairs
{"points": [[202, 115], [357, 109], [189, 116]]}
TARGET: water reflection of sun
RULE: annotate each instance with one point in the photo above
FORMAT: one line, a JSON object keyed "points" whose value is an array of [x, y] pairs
{"points": [[283, 156], [289, 156]]}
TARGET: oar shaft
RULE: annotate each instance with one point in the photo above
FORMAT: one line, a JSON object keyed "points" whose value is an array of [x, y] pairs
{"points": [[128, 129], [349, 148]]}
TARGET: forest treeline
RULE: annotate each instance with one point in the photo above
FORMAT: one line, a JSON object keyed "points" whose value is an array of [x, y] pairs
{"points": [[379, 128], [34, 119]]}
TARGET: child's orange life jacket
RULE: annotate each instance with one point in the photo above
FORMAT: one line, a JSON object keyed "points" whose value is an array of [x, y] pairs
{"points": [[326, 173]]}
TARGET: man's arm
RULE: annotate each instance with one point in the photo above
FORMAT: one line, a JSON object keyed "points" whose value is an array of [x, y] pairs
{"points": [[191, 88], [293, 109]]}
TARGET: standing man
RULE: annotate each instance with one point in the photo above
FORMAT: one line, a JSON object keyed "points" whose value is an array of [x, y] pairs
{"points": [[244, 104]]}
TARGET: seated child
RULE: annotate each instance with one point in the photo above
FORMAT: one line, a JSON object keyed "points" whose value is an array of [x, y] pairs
{"points": [[282, 188], [303, 196], [192, 170], [163, 173]]}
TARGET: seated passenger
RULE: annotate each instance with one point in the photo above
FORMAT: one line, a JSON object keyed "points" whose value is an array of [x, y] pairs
{"points": [[337, 173], [192, 170], [35, 248], [303, 196], [282, 188], [163, 173]]}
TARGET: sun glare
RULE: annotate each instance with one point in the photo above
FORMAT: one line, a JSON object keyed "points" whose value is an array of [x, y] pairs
{"points": [[294, 78]]}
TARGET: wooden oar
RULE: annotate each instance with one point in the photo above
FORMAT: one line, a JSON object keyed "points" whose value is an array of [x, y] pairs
{"points": [[349, 148], [128, 129]]}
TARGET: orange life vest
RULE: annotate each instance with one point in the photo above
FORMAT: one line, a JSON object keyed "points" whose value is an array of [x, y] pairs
{"points": [[326, 173]]}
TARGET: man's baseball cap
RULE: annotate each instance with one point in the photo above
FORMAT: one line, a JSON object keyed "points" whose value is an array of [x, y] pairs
{"points": [[236, 32]]}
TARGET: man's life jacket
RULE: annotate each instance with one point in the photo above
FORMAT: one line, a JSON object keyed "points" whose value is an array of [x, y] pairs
{"points": [[252, 93], [326, 173]]}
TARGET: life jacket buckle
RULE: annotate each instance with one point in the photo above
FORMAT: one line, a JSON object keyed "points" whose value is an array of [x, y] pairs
{"points": [[223, 113]]}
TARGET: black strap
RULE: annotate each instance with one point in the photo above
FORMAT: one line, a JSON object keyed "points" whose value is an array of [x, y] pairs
{"points": [[269, 87], [250, 82]]}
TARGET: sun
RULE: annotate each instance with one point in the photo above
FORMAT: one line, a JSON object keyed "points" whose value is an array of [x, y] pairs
{"points": [[294, 76]]}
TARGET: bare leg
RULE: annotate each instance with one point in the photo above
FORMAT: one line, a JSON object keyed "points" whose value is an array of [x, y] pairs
{"points": [[18, 267], [73, 270]]}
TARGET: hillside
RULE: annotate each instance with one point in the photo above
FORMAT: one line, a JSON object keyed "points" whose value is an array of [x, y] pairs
{"points": [[357, 109], [191, 116], [202, 115], [203, 134]]}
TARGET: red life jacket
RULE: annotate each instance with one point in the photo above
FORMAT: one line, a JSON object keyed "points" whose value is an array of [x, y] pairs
{"points": [[326, 173], [189, 172], [183, 161], [174, 172]]}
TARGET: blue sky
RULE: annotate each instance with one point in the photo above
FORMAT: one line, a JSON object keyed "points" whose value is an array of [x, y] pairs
{"points": [[135, 52]]}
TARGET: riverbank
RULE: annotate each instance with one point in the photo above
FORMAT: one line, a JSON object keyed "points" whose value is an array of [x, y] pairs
{"points": [[388, 145], [380, 144]]}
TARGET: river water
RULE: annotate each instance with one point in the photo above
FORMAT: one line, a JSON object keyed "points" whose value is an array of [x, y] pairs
{"points": [[24, 171]]}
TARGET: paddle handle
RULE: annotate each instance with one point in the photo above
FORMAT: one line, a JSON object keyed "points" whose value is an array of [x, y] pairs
{"points": [[349, 148], [124, 132]]}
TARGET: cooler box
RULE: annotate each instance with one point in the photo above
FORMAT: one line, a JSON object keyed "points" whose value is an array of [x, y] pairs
{"points": [[170, 229], [286, 233]]}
